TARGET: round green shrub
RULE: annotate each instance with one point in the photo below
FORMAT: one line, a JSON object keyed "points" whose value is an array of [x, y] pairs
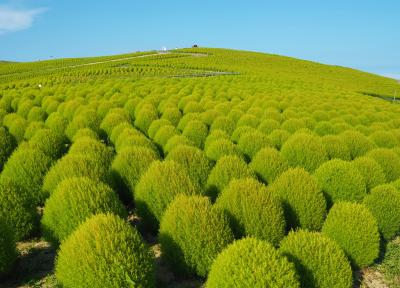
{"points": [[49, 142], [175, 141], [92, 148], [324, 128], [252, 210], [384, 139], [74, 165], [335, 147], [355, 229], [173, 115], [8, 251], [226, 169], [268, 164], [164, 134], [268, 126], [17, 129], [293, 124], [215, 136], [32, 128], [249, 263], [371, 171], [319, 261], [390, 265], [192, 234], [127, 168], [220, 148], [85, 133], [195, 162], [304, 150], [17, 209], [86, 119], [27, 167], [57, 123], [357, 143], [186, 119], [36, 114], [223, 123], [196, 131], [388, 160], [303, 201], [75, 200], [114, 256], [113, 118], [7, 146], [278, 137], [239, 131], [158, 187], [144, 119], [135, 140], [384, 204], [156, 125], [341, 181], [250, 143], [248, 120]]}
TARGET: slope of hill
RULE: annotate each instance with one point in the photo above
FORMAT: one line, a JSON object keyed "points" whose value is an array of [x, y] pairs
{"points": [[151, 125]]}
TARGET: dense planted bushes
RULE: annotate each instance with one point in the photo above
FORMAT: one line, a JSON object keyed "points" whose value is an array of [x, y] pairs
{"points": [[388, 160], [192, 234], [127, 168], [8, 253], [252, 210], [302, 198], [268, 164], [75, 200], [304, 150], [195, 162], [355, 230], [371, 171], [341, 181], [384, 204], [252, 263], [158, 187], [357, 143], [226, 169], [27, 167], [7, 145], [250, 143], [319, 261], [114, 256]]}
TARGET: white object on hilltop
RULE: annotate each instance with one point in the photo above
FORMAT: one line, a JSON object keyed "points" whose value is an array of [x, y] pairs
{"points": [[164, 49], [40, 85]]}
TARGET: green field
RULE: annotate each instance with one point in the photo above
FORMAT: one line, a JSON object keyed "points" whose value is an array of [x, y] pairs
{"points": [[198, 167]]}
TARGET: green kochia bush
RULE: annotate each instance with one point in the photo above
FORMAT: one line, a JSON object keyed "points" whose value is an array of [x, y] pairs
{"points": [[357, 143], [192, 234], [92, 148], [127, 168], [144, 118], [175, 141], [105, 251], [304, 150], [8, 253], [341, 181], [158, 187], [220, 148], [249, 263], [388, 160], [384, 204], [74, 166], [303, 200], [336, 147], [226, 169], [268, 164], [371, 171], [320, 262], [250, 143], [279, 137], [225, 124], [113, 118], [32, 128], [27, 167], [195, 162], [49, 142], [196, 131], [384, 139], [355, 229], [156, 125], [164, 134], [75, 200], [17, 209], [7, 145], [252, 210]]}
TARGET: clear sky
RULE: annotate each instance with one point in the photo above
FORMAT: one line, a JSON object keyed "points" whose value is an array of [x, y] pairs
{"points": [[355, 33]]}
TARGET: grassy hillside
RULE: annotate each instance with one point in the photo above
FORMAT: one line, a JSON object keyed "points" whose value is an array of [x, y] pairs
{"points": [[195, 148]]}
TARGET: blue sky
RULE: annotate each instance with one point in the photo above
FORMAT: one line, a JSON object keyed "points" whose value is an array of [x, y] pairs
{"points": [[360, 34]]}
